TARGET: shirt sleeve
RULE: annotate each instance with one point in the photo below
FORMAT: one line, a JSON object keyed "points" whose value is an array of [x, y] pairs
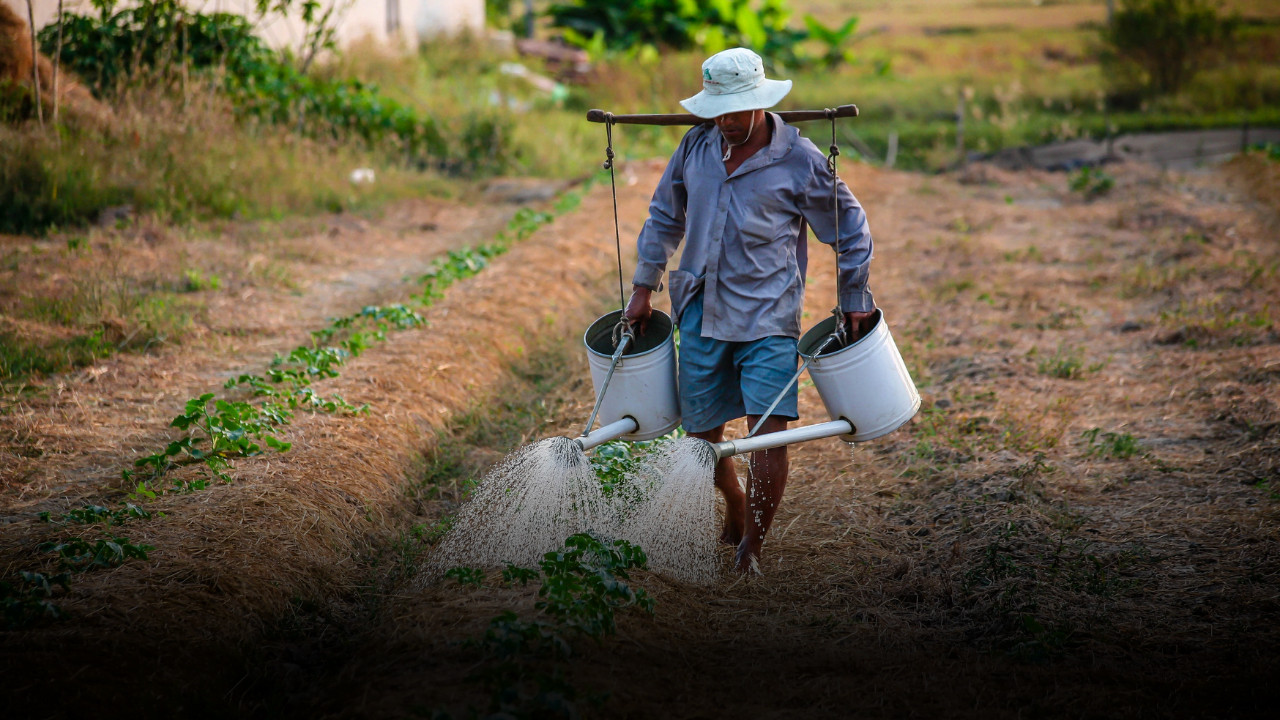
{"points": [[664, 229], [855, 234]]}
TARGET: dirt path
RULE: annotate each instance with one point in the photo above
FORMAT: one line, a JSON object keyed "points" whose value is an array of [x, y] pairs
{"points": [[278, 284], [990, 559]]}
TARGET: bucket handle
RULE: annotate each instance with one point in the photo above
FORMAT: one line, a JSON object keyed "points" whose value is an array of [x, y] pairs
{"points": [[623, 342], [811, 358]]}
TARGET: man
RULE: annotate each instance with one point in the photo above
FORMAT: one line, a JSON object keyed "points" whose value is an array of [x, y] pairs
{"points": [[742, 191]]}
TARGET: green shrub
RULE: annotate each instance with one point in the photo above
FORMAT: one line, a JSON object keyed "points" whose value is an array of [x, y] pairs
{"points": [[1168, 40], [711, 25], [110, 50], [159, 39]]}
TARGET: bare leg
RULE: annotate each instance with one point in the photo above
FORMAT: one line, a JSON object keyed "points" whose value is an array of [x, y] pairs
{"points": [[765, 485], [735, 502]]}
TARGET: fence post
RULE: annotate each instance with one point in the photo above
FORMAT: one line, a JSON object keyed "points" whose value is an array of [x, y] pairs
{"points": [[892, 155], [960, 161]]}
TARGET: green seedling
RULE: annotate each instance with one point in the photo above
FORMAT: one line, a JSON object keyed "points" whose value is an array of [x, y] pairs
{"points": [[512, 575], [431, 535], [78, 555], [614, 461], [231, 430], [466, 575], [582, 586], [26, 599], [92, 514]]}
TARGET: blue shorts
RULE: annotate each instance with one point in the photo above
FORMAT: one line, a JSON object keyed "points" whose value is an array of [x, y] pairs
{"points": [[722, 381]]}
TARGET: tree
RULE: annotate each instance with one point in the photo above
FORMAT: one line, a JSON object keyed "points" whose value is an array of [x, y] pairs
{"points": [[1169, 40]]}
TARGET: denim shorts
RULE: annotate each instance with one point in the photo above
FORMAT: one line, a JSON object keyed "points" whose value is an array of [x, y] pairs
{"points": [[722, 381]]}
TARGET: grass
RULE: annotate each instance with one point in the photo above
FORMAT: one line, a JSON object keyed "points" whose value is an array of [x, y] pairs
{"points": [[1067, 363], [22, 357], [183, 162], [65, 309], [1117, 446]]}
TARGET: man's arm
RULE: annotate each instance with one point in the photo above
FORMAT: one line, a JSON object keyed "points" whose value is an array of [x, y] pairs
{"points": [[659, 238], [854, 242]]}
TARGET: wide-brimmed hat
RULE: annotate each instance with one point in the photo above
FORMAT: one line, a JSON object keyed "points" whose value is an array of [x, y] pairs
{"points": [[733, 81]]}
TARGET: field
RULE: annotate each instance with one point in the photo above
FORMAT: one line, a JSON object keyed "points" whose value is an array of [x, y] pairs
{"points": [[1080, 522], [1085, 503]]}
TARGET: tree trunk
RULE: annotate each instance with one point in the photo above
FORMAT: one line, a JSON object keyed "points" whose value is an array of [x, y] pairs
{"points": [[57, 60], [35, 62]]}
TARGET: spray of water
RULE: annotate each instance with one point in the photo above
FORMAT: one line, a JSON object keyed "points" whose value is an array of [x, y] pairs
{"points": [[525, 507], [677, 522]]}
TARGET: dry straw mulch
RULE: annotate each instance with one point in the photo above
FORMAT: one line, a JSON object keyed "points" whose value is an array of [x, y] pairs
{"points": [[293, 529]]}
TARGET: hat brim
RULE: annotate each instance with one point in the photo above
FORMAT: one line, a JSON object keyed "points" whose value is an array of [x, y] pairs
{"points": [[766, 95]]}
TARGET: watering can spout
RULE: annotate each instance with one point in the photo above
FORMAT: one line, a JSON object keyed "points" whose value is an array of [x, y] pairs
{"points": [[786, 437], [612, 431]]}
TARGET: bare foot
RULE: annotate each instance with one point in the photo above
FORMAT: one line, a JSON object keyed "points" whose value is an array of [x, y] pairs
{"points": [[748, 558]]}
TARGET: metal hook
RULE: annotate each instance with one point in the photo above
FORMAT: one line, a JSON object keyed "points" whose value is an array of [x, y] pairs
{"points": [[608, 151]]}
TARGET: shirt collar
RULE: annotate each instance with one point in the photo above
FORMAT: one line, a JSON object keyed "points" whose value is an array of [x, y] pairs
{"points": [[778, 145]]}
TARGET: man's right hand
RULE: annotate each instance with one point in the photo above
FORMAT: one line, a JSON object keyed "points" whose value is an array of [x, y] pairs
{"points": [[640, 308]]}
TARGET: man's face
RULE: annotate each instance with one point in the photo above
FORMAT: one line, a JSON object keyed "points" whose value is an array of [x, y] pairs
{"points": [[735, 127]]}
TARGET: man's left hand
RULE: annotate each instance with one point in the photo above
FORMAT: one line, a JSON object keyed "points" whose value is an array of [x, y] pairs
{"points": [[859, 324]]}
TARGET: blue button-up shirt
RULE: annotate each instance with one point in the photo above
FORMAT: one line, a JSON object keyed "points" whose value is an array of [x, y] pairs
{"points": [[746, 240]]}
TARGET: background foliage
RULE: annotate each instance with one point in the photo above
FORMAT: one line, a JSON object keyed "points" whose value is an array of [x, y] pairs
{"points": [[707, 25], [1168, 41]]}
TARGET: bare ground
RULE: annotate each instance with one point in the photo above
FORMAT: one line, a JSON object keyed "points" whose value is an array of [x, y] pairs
{"points": [[996, 557]]}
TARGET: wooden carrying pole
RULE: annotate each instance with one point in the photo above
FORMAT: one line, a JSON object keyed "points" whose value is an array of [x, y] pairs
{"points": [[791, 116]]}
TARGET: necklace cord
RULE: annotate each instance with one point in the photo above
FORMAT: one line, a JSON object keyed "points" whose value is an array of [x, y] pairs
{"points": [[730, 146]]}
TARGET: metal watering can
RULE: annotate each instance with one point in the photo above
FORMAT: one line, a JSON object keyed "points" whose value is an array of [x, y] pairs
{"points": [[864, 386], [635, 382]]}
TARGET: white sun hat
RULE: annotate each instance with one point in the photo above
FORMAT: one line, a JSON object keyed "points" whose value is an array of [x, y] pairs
{"points": [[732, 81]]}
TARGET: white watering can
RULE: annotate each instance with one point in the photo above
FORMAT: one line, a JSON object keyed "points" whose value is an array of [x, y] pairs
{"points": [[865, 387], [635, 381]]}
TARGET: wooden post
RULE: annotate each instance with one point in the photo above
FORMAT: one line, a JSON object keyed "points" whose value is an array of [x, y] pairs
{"points": [[960, 129], [35, 62], [892, 156], [1106, 129]]}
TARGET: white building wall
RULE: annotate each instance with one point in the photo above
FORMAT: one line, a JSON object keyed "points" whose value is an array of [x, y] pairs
{"points": [[362, 18], [449, 17]]}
